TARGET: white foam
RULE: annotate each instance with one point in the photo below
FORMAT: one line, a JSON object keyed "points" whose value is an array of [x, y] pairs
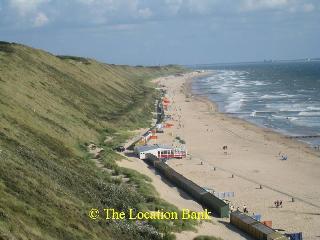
{"points": [[241, 83], [259, 83], [309, 114], [313, 108], [224, 89], [266, 96], [235, 102], [304, 122], [284, 117], [286, 107], [281, 96], [233, 107], [290, 108], [277, 116], [292, 118]]}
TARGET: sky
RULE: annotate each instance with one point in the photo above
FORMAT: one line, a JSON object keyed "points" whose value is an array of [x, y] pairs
{"points": [[153, 32]]}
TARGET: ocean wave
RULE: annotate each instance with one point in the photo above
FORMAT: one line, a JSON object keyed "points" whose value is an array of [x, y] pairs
{"points": [[282, 117], [233, 106], [311, 114], [313, 108], [303, 122], [292, 118], [224, 89], [286, 107], [281, 96], [260, 113], [253, 114], [235, 102], [267, 97], [259, 83]]}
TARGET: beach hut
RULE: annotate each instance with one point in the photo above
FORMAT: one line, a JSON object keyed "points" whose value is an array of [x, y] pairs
{"points": [[168, 125], [165, 100], [254, 228], [215, 204], [267, 223]]}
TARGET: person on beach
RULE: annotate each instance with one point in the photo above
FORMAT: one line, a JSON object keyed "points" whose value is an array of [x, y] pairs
{"points": [[225, 148], [232, 208], [245, 209], [278, 203]]}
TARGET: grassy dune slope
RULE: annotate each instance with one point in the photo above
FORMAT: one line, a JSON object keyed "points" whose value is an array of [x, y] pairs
{"points": [[50, 107]]}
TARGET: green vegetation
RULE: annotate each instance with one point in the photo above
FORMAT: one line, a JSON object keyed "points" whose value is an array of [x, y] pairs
{"points": [[180, 140], [74, 58], [51, 108]]}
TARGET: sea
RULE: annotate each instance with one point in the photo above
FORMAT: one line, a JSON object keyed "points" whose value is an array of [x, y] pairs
{"points": [[283, 96]]}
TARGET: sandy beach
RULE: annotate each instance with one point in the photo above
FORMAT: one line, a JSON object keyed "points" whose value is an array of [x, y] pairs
{"points": [[252, 158]]}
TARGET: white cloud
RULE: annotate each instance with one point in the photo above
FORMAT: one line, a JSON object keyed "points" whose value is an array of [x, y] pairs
{"points": [[174, 5], [114, 12], [36, 13], [86, 1], [110, 11], [263, 4], [308, 7], [25, 7], [40, 20], [28, 13], [145, 13], [201, 7], [122, 27]]}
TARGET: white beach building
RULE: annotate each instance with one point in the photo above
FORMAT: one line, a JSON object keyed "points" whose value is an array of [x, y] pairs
{"points": [[160, 151]]}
